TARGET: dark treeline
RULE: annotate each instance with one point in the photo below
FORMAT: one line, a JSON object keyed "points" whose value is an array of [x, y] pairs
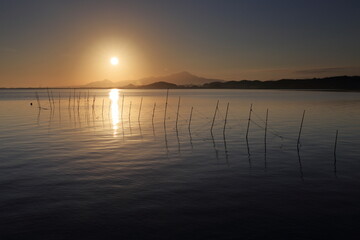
{"points": [[341, 82], [336, 83], [346, 83]]}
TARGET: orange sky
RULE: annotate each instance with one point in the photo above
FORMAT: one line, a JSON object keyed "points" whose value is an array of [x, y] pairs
{"points": [[56, 43]]}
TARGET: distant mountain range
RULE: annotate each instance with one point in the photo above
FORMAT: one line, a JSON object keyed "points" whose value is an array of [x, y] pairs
{"points": [[187, 80], [181, 78]]}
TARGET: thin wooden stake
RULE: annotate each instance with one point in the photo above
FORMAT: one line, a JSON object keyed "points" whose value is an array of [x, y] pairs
{"points": [[130, 112], [93, 103], [74, 99], [248, 126], [225, 121], [191, 111], [336, 137], [266, 123], [47, 90], [59, 106], [79, 99], [38, 100], [122, 106], [102, 109], [166, 103], [216, 109], [69, 99], [153, 113], [302, 120], [177, 114], [140, 109], [52, 98]]}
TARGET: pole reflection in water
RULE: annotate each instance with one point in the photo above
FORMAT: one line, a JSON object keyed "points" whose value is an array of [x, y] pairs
{"points": [[115, 116]]}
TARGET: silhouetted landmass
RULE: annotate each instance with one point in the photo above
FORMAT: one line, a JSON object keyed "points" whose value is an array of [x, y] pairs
{"points": [[102, 83], [330, 83], [182, 78], [340, 82], [346, 83], [157, 85], [160, 85], [185, 80]]}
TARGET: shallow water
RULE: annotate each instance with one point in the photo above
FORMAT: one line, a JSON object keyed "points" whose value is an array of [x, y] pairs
{"points": [[89, 166]]}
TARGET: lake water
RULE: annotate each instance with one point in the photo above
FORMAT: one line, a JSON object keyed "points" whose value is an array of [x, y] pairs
{"points": [[106, 164]]}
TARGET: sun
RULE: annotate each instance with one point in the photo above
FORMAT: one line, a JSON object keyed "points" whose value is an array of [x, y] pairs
{"points": [[114, 61]]}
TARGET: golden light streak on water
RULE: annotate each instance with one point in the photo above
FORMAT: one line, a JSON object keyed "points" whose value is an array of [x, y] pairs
{"points": [[114, 108]]}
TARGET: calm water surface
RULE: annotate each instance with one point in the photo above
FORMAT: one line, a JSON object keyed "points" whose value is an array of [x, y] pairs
{"points": [[107, 164]]}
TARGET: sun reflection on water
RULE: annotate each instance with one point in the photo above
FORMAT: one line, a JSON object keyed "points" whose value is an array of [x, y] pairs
{"points": [[115, 115]]}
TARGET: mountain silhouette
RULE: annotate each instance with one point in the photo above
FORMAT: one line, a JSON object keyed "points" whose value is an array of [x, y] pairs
{"points": [[159, 85], [182, 78], [187, 80], [101, 84]]}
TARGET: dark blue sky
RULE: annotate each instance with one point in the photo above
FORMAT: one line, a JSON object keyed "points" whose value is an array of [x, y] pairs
{"points": [[62, 42]]}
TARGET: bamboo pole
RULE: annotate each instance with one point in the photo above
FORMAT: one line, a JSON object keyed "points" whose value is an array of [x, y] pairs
{"points": [[102, 108], [52, 98], [153, 113], [166, 103], [69, 100], [59, 106], [336, 137], [74, 99], [225, 121], [213, 121], [177, 114], [302, 121], [191, 111], [38, 100], [130, 118], [266, 125], [93, 103], [248, 126], [78, 100], [122, 106], [140, 109], [48, 93], [130, 112]]}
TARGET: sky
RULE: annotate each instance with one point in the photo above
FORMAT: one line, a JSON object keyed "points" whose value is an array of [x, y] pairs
{"points": [[47, 43]]}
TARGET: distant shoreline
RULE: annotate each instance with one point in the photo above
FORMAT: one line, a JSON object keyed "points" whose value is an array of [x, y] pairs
{"points": [[280, 89], [338, 84]]}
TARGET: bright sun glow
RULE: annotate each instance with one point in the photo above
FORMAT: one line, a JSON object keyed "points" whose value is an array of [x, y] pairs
{"points": [[114, 61]]}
